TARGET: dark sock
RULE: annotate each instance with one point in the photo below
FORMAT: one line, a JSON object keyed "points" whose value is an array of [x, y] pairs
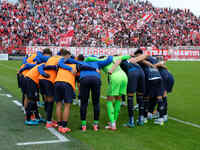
{"points": [[23, 97], [59, 123], [64, 124], [130, 108], [152, 104], [123, 98], [141, 105], [160, 107], [165, 103], [45, 107], [146, 107], [28, 113], [35, 110], [29, 110], [49, 110]]}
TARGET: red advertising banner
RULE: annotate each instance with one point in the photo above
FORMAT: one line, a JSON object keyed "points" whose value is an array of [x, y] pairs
{"points": [[171, 54]]}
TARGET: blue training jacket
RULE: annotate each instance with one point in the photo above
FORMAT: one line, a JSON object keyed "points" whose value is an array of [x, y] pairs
{"points": [[86, 68]]}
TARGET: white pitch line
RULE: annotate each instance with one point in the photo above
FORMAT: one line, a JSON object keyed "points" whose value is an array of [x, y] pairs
{"points": [[8, 95], [184, 122], [17, 103], [58, 135], [39, 142]]}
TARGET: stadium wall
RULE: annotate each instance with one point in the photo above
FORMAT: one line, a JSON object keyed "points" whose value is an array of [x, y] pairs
{"points": [[181, 53]]}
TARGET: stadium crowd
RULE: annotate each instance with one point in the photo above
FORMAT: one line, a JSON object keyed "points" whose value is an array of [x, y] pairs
{"points": [[96, 24]]}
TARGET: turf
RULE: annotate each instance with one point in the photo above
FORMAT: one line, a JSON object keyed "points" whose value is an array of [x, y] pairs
{"points": [[183, 104]]}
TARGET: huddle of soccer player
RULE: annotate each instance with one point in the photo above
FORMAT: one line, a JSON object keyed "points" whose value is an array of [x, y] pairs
{"points": [[54, 77]]}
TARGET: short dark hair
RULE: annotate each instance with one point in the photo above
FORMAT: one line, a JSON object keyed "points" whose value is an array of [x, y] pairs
{"points": [[138, 51], [64, 52], [101, 57], [47, 51], [81, 57]]}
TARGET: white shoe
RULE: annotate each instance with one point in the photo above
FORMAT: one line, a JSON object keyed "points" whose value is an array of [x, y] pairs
{"points": [[79, 102], [145, 120], [123, 103], [150, 116], [165, 118], [75, 102], [155, 115], [159, 121]]}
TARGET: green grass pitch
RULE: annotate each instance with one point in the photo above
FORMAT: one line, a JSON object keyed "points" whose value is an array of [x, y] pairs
{"points": [[183, 104]]}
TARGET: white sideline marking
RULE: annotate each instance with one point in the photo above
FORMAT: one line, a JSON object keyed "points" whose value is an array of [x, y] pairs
{"points": [[58, 135], [52, 130], [184, 122], [39, 142], [8, 95], [17, 103]]}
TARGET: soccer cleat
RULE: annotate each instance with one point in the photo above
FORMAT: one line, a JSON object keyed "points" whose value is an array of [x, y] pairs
{"points": [[83, 128], [130, 125], [145, 120], [123, 104], [74, 102], [51, 124], [165, 117], [155, 115], [31, 122], [79, 102], [149, 116], [111, 127], [63, 130], [95, 127], [41, 120], [159, 121], [33, 117]]}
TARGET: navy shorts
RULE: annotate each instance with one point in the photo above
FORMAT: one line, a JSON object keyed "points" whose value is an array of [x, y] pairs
{"points": [[46, 87], [31, 89], [63, 92], [136, 81], [156, 88], [77, 79]]}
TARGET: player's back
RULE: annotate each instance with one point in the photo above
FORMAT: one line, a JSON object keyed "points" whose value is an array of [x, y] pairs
{"points": [[67, 76], [53, 61]]}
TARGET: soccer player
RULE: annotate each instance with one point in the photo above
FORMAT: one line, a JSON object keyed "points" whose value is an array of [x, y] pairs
{"points": [[64, 90], [65, 87], [136, 83], [154, 84], [117, 87], [90, 81], [168, 83], [47, 85], [77, 79], [28, 63]]}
